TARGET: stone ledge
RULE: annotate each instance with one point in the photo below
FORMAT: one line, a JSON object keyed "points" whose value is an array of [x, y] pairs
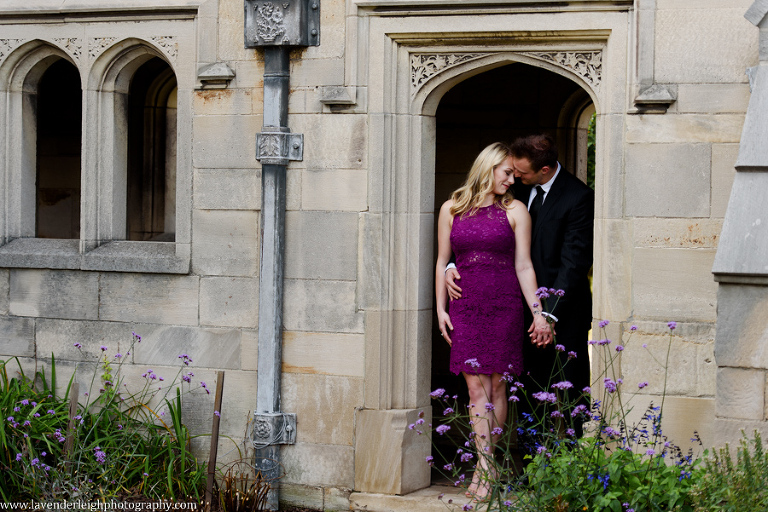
{"points": [[116, 256], [424, 500]]}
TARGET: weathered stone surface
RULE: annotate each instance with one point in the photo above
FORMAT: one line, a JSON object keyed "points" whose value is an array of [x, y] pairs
{"points": [[297, 495], [674, 284], [723, 171], [229, 301], [151, 299], [337, 189], [609, 186], [324, 405], [249, 349], [646, 364], [703, 45], [54, 294], [712, 98], [5, 287], [612, 283], [59, 336], [651, 192], [682, 418], [333, 142], [222, 102], [209, 348], [321, 306], [335, 499], [238, 402], [742, 334], [321, 245], [740, 393], [731, 431], [316, 72], [227, 189], [676, 233], [323, 353], [227, 142], [424, 500], [318, 464], [399, 469], [225, 243], [17, 337], [684, 129]]}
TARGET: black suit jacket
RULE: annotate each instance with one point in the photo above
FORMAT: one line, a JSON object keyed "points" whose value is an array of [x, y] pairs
{"points": [[561, 245], [561, 253]]}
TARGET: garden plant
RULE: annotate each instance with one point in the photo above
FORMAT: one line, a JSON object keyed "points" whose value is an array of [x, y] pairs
{"points": [[616, 465]]}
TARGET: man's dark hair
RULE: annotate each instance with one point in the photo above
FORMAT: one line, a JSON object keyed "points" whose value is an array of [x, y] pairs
{"points": [[539, 149]]}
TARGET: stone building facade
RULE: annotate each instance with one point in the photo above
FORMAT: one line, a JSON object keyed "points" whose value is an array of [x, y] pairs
{"points": [[154, 225]]}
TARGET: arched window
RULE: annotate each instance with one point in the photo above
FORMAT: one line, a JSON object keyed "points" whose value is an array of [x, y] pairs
{"points": [[151, 166], [58, 148]]}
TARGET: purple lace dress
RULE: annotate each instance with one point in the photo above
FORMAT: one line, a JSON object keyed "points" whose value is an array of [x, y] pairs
{"points": [[488, 318]]}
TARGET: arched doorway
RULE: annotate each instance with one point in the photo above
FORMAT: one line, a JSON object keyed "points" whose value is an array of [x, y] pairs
{"points": [[502, 104]]}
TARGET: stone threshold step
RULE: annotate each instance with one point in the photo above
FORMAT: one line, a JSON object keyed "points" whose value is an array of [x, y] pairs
{"points": [[424, 500]]}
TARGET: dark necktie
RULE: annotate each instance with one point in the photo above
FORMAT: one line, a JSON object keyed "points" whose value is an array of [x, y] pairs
{"points": [[536, 204]]}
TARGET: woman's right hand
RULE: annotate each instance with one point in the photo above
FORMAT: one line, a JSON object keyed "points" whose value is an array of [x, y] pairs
{"points": [[444, 322]]}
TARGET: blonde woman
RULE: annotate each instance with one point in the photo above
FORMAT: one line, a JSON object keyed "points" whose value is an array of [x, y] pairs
{"points": [[489, 233]]}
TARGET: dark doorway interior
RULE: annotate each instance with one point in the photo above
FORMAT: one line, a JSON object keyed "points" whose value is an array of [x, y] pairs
{"points": [[498, 105], [59, 133]]}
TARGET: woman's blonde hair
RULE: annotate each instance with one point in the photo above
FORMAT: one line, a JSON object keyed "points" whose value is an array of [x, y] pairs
{"points": [[469, 197]]}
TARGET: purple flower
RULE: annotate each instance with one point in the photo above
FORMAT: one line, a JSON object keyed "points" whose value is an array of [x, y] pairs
{"points": [[43, 454], [202, 384], [560, 348], [542, 293], [51, 411], [101, 457], [439, 392], [17, 409], [489, 407], [586, 389], [562, 385], [672, 325], [556, 414], [467, 507], [25, 402], [430, 460], [185, 359], [442, 429], [103, 348], [10, 419], [642, 384], [610, 384], [633, 328], [604, 342], [579, 409], [535, 305], [448, 467], [570, 432], [507, 503], [571, 355], [186, 378], [18, 456], [650, 451], [543, 396], [514, 398], [118, 355], [217, 414], [34, 462], [77, 345], [603, 323], [466, 457], [472, 362], [619, 348], [497, 431]]}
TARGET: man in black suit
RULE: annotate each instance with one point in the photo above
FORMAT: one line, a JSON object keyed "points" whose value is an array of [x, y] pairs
{"points": [[561, 251]]}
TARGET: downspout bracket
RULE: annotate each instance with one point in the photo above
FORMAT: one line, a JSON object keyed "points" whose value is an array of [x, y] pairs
{"points": [[277, 147], [272, 428]]}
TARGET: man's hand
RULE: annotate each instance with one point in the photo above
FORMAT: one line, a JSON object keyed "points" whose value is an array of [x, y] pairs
{"points": [[444, 323], [541, 331], [451, 276]]}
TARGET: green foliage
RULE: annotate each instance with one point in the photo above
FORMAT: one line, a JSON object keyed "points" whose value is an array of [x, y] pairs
{"points": [[119, 443], [740, 486], [615, 466]]}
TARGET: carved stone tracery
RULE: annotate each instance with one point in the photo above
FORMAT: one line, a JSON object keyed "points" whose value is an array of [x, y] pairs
{"points": [[7, 46], [587, 64], [73, 45], [96, 45], [168, 44], [426, 65]]}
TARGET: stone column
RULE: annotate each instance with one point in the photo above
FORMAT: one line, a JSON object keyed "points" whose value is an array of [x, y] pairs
{"points": [[741, 269]]}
